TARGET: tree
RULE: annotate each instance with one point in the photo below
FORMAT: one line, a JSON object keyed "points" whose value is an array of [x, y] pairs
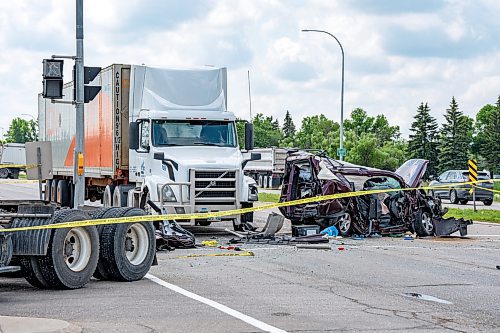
{"points": [[288, 126], [361, 123], [240, 131], [22, 131], [456, 138], [267, 131], [318, 132], [490, 147], [423, 142]]}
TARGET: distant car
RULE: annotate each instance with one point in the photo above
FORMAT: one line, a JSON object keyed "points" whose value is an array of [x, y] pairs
{"points": [[397, 211], [461, 193]]}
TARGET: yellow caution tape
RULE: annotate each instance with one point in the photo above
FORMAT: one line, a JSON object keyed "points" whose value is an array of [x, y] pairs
{"points": [[20, 166], [17, 181], [487, 189], [230, 254], [149, 218]]}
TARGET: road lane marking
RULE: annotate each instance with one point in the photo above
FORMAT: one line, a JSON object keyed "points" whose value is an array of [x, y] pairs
{"points": [[426, 298], [236, 314]]}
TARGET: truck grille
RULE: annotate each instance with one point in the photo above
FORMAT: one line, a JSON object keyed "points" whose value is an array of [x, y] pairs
{"points": [[214, 186], [214, 174]]}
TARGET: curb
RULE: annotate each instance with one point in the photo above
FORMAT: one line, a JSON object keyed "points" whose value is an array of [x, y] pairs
{"points": [[10, 324]]}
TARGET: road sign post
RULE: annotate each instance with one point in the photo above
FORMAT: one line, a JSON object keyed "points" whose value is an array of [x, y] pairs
{"points": [[341, 152], [473, 178]]}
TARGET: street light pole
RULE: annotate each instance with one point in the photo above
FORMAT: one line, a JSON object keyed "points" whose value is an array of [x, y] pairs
{"points": [[78, 155], [341, 94]]}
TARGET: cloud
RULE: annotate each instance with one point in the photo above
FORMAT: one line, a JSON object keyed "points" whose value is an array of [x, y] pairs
{"points": [[391, 7], [296, 71]]}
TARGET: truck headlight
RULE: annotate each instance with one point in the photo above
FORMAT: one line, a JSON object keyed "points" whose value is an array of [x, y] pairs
{"points": [[253, 193], [167, 194]]}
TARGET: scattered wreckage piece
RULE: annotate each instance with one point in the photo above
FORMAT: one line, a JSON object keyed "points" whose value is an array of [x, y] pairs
{"points": [[445, 227], [402, 208]]}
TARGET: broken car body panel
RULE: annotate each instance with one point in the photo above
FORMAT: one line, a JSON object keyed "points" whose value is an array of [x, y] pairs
{"points": [[308, 175]]}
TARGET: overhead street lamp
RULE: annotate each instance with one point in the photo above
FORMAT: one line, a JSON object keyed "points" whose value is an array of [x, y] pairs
{"points": [[341, 152]]}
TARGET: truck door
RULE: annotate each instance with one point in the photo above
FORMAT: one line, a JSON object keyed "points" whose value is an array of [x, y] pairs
{"points": [[143, 166]]}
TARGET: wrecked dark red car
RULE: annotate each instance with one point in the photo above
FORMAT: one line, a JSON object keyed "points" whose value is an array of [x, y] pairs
{"points": [[309, 175]]}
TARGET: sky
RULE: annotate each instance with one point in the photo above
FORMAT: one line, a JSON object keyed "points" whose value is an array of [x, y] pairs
{"points": [[397, 54]]}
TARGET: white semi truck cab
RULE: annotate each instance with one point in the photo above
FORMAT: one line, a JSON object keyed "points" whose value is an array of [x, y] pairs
{"points": [[183, 147]]}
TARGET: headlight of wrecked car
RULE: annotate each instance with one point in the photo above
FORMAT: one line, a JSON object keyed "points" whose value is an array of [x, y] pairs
{"points": [[166, 192], [253, 193]]}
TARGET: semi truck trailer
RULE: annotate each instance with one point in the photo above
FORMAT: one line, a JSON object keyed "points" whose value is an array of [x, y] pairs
{"points": [[268, 172], [163, 135], [12, 160]]}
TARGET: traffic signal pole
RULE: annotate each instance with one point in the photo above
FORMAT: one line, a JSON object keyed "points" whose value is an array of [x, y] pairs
{"points": [[78, 155]]}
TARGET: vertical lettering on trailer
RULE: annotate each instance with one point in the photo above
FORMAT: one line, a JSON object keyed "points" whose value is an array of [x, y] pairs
{"points": [[117, 120]]}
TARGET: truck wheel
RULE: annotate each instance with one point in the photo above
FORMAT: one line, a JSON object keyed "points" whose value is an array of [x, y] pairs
{"points": [[63, 193], [120, 195], [14, 173], [107, 197], [32, 273], [72, 253], [48, 190], [102, 213], [423, 223], [4, 173], [53, 190], [204, 223], [488, 202], [127, 249], [6, 248]]}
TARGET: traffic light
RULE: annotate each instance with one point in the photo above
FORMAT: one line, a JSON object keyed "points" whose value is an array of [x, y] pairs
{"points": [[52, 78], [89, 92]]}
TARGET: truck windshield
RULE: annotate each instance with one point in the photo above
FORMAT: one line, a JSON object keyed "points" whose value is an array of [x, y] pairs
{"points": [[194, 133]]}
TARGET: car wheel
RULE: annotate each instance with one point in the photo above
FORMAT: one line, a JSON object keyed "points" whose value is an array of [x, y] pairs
{"points": [[345, 225], [423, 225], [488, 202], [453, 197], [464, 202]]}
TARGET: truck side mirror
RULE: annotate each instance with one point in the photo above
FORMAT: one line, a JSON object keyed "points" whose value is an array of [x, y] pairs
{"points": [[159, 156], [255, 156], [248, 136], [133, 136]]}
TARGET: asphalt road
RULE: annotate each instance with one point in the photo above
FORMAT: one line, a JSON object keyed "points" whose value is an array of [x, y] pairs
{"points": [[370, 285]]}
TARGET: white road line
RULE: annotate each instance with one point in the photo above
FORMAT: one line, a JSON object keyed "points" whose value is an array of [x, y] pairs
{"points": [[427, 298], [236, 314]]}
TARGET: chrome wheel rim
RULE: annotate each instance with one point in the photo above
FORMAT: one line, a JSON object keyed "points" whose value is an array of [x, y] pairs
{"points": [[453, 197], [427, 222], [345, 223], [136, 243], [77, 249]]}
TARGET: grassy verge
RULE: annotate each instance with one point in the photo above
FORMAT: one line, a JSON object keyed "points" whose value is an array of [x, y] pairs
{"points": [[485, 215], [269, 197]]}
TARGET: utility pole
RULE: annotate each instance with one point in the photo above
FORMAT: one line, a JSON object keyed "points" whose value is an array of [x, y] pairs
{"points": [[78, 154]]}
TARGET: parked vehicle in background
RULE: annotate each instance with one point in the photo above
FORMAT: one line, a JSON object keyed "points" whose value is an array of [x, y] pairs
{"points": [[14, 155], [269, 170], [461, 193], [156, 134], [396, 211]]}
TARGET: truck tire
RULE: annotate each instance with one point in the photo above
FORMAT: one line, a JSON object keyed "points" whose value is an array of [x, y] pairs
{"points": [[32, 273], [63, 193], [72, 253], [127, 249], [48, 190], [423, 223], [102, 213], [53, 190], [14, 173], [107, 197], [120, 195], [4, 173], [6, 248]]}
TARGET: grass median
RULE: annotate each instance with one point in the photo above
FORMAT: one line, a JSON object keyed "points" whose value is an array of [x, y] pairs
{"points": [[269, 197], [484, 215]]}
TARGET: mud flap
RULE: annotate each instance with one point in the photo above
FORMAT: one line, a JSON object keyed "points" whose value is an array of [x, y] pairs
{"points": [[445, 227]]}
